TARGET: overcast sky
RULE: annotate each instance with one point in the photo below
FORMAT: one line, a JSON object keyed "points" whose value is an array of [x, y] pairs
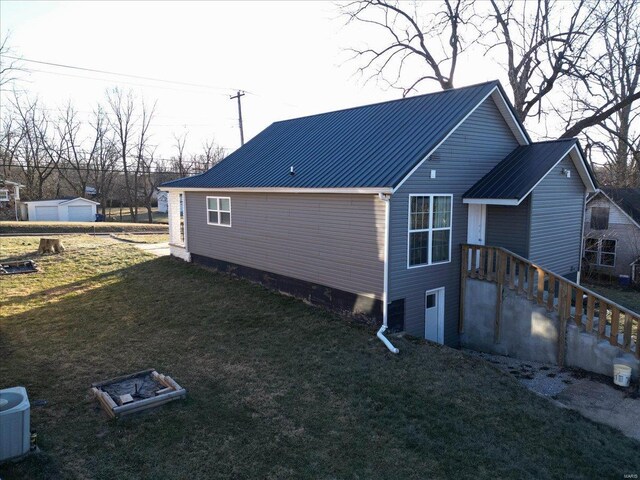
{"points": [[290, 56]]}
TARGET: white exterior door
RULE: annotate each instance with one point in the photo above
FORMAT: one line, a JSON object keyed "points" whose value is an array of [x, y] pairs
{"points": [[477, 224], [476, 229], [46, 214], [434, 315], [81, 213]]}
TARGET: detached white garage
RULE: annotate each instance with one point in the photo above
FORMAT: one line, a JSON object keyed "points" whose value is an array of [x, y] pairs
{"points": [[63, 210]]}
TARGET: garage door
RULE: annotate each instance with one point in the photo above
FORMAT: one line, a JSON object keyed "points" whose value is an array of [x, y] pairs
{"points": [[46, 214], [81, 213]]}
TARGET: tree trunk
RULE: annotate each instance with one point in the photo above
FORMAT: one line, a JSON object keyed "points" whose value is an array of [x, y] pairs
{"points": [[50, 245]]}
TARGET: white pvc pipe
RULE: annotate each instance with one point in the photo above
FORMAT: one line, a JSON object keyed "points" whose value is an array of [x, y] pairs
{"points": [[385, 340], [385, 293]]}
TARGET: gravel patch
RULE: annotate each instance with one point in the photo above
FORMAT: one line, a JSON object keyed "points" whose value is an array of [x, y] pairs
{"points": [[594, 396]]}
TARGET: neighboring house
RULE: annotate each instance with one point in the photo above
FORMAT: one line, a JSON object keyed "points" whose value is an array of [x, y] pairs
{"points": [[62, 210], [163, 202], [9, 199], [366, 209], [612, 231]]}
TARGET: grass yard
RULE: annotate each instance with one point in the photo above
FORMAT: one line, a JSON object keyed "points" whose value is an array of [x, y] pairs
{"points": [[79, 227], [276, 388], [144, 238]]}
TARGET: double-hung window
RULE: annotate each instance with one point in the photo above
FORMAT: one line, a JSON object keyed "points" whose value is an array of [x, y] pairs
{"points": [[4, 195], [219, 211], [429, 229], [600, 251]]}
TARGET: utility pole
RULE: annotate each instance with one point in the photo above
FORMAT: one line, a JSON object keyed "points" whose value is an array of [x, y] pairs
{"points": [[238, 95]]}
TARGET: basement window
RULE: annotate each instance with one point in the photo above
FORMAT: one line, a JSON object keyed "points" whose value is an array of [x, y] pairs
{"points": [[219, 211], [600, 252], [429, 240]]}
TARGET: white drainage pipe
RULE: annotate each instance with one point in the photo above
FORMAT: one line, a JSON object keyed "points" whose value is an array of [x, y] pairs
{"points": [[385, 340], [385, 309]]}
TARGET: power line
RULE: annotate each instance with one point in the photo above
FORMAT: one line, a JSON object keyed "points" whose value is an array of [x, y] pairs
{"points": [[117, 81], [139, 77]]}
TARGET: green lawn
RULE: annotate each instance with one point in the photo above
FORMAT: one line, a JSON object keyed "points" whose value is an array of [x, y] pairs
{"points": [[79, 227], [276, 388]]}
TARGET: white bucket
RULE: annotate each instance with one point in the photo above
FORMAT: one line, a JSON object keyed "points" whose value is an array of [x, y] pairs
{"points": [[621, 374]]}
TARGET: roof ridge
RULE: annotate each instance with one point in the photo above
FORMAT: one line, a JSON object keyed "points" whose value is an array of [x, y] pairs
{"points": [[440, 92]]}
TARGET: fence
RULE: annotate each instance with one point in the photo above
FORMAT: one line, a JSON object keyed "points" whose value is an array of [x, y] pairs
{"points": [[572, 302]]}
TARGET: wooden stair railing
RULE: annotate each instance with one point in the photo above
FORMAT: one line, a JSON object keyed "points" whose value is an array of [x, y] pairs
{"points": [[572, 302]]}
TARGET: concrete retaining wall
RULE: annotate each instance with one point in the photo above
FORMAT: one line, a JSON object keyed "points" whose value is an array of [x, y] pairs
{"points": [[528, 332]]}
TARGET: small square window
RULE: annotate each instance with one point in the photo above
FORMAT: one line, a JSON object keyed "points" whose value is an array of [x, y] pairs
{"points": [[431, 300], [219, 211]]}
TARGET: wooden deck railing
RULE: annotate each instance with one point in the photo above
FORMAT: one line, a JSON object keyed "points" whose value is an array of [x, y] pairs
{"points": [[597, 314]]}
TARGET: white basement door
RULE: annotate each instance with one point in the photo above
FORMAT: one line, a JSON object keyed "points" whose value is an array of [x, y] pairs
{"points": [[46, 214], [81, 213]]}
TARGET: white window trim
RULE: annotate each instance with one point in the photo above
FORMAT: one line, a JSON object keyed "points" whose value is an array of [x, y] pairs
{"points": [[218, 202], [430, 230], [4, 195], [599, 251]]}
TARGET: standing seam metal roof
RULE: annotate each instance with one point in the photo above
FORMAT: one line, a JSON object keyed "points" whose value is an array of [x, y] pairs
{"points": [[518, 173], [361, 147]]}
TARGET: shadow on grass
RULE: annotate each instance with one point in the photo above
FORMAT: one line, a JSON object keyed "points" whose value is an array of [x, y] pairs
{"points": [[276, 389]]}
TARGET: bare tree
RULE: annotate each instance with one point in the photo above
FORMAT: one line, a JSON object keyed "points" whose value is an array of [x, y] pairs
{"points": [[39, 150], [104, 158], [542, 42], [144, 179], [9, 65], [433, 37], [542, 45], [123, 123], [212, 154], [10, 139], [613, 76], [75, 167], [179, 162]]}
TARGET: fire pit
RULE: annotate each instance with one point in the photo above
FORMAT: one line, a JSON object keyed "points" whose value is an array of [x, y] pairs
{"points": [[136, 392], [19, 266]]}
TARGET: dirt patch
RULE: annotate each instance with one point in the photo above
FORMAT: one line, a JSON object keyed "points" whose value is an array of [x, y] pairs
{"points": [[593, 395]]}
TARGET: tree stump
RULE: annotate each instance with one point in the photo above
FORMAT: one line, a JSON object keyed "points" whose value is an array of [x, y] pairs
{"points": [[50, 245]]}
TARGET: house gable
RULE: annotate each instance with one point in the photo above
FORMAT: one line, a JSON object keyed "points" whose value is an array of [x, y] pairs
{"points": [[468, 154]]}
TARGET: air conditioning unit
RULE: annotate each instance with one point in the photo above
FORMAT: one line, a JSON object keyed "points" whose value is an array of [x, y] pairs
{"points": [[15, 436]]}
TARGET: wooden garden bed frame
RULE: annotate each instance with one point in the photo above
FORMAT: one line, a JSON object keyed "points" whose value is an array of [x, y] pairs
{"points": [[170, 391]]}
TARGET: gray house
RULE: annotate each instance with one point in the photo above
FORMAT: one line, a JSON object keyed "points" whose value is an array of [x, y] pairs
{"points": [[612, 232], [365, 209]]}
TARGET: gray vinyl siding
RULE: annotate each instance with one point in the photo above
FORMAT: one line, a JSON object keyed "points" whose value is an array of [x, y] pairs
{"points": [[622, 229], [508, 227], [334, 240], [482, 141], [557, 207]]}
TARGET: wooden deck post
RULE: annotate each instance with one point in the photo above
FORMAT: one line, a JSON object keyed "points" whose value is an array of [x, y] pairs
{"points": [[463, 285]]}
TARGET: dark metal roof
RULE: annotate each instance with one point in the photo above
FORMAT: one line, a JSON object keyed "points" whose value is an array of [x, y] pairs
{"points": [[515, 176], [628, 199], [362, 147]]}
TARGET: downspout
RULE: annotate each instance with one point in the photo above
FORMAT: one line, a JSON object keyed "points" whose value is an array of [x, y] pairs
{"points": [[584, 217], [385, 294]]}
